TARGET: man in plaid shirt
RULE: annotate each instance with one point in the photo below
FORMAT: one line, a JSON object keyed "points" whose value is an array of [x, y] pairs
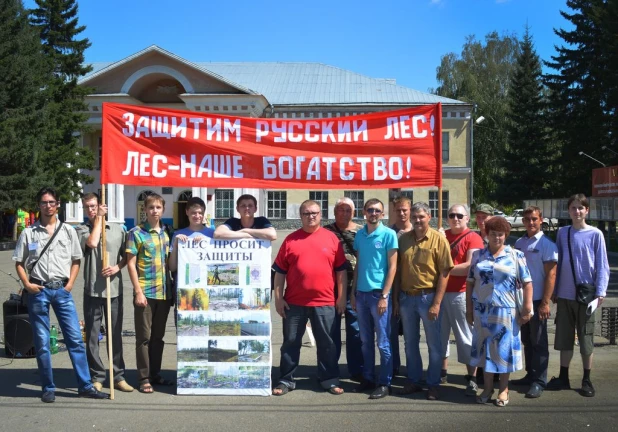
{"points": [[147, 252]]}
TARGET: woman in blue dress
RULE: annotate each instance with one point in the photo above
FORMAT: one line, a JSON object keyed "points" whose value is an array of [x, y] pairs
{"points": [[496, 273]]}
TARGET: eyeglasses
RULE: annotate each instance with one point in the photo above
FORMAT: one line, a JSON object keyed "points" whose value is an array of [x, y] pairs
{"points": [[374, 210], [530, 219], [48, 203], [310, 214], [93, 206], [455, 215]]}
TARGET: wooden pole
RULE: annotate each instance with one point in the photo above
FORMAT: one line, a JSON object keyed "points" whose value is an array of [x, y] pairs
{"points": [[108, 337], [439, 207]]}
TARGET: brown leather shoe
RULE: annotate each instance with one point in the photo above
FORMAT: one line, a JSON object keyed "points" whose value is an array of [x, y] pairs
{"points": [[123, 386], [433, 393], [97, 385]]}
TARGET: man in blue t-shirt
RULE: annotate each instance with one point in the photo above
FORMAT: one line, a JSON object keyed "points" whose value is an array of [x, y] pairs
{"points": [[196, 231], [248, 226], [373, 279]]}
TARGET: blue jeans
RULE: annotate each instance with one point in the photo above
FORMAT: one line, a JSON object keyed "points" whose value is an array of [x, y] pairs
{"points": [[412, 310], [395, 342], [322, 320], [64, 307], [370, 322], [353, 352]]}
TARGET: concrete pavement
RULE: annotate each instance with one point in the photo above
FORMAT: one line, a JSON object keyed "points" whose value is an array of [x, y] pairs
{"points": [[306, 408]]}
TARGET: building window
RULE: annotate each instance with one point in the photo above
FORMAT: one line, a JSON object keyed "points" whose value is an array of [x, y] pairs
{"points": [[358, 198], [185, 196], [445, 146], [321, 197], [409, 194], [433, 204], [277, 203], [224, 203], [100, 154]]}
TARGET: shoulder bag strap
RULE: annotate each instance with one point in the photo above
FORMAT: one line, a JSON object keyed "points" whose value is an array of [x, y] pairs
{"points": [[456, 242], [46, 246], [571, 255]]}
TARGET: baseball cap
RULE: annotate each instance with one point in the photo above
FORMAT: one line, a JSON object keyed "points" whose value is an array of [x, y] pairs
{"points": [[484, 208]]}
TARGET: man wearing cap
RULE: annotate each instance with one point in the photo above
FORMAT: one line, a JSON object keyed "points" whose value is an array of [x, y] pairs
{"points": [[483, 212]]}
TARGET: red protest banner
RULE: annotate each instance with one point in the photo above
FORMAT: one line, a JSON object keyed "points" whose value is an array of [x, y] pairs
{"points": [[159, 146]]}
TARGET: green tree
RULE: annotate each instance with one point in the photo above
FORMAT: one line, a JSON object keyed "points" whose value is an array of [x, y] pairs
{"points": [[64, 115], [21, 103], [529, 171], [482, 75], [581, 86]]}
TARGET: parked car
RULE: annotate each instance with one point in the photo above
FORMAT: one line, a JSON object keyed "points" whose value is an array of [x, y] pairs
{"points": [[516, 221], [498, 213]]}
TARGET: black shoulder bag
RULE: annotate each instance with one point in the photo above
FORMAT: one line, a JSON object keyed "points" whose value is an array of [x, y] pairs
{"points": [[24, 293], [584, 292], [456, 242]]}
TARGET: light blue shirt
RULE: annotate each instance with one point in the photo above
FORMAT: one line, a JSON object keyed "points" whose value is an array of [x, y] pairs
{"points": [[372, 264], [538, 250]]}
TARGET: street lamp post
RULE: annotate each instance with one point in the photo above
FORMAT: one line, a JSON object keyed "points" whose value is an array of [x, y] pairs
{"points": [[581, 153]]}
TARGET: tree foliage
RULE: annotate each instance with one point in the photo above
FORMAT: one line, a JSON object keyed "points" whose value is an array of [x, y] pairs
{"points": [[529, 162], [21, 104], [65, 111], [482, 75], [583, 88]]}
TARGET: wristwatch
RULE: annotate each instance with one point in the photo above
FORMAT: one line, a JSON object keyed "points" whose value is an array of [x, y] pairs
{"points": [[385, 296]]}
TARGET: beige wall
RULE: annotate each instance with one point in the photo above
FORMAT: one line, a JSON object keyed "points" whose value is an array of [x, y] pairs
{"points": [[459, 137]]}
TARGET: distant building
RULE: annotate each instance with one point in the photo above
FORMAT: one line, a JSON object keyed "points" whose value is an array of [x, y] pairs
{"points": [[156, 77]]}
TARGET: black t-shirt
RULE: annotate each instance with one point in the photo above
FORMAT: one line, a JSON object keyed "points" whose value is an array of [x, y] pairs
{"points": [[259, 222]]}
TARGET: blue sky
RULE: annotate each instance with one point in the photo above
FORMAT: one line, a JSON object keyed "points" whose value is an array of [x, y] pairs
{"points": [[402, 39]]}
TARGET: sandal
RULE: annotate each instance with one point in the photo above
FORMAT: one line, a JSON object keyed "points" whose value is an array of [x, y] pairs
{"points": [[283, 388], [335, 390], [484, 399], [145, 387], [159, 380], [502, 402]]}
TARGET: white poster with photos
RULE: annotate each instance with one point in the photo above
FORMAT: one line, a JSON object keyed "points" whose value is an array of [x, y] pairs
{"points": [[224, 323]]}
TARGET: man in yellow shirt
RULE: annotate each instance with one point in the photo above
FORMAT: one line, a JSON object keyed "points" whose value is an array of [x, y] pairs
{"points": [[424, 263]]}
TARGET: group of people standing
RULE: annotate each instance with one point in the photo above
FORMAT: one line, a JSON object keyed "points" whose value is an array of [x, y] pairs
{"points": [[381, 280], [491, 296]]}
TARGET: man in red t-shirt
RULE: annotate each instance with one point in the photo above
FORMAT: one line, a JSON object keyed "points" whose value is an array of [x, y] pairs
{"points": [[309, 263], [463, 243]]}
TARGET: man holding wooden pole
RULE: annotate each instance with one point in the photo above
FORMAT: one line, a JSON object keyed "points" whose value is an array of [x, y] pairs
{"points": [[97, 288]]}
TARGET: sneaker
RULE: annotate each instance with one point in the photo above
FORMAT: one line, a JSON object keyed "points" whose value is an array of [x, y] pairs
{"points": [[587, 389], [48, 397], [92, 393], [472, 388], [557, 383]]}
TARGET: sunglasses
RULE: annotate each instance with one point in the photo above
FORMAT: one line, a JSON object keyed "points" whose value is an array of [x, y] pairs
{"points": [[373, 210], [455, 215]]}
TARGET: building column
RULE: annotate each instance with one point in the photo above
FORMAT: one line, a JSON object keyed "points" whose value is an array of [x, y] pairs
{"points": [[115, 203]]}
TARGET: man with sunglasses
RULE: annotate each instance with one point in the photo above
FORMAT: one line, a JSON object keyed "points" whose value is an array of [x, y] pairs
{"points": [[310, 261], [542, 257], [374, 273], [47, 258], [464, 242]]}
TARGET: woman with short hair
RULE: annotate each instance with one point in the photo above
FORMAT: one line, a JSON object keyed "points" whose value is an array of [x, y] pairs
{"points": [[496, 273]]}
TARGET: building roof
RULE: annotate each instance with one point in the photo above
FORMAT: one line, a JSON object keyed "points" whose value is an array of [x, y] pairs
{"points": [[303, 83]]}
